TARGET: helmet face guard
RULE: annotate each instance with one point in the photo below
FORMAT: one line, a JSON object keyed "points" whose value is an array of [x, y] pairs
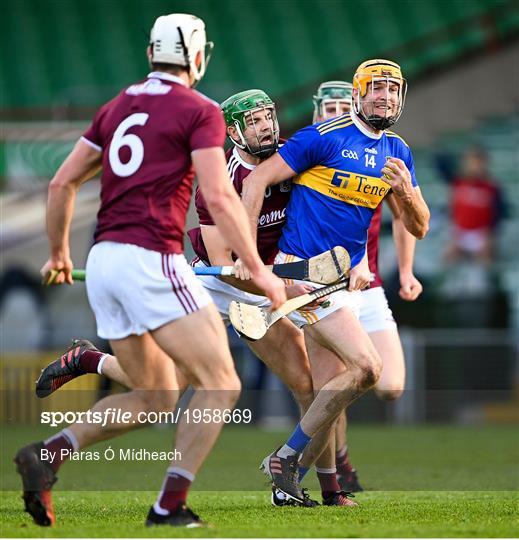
{"points": [[239, 111], [253, 143], [367, 75], [336, 93]]}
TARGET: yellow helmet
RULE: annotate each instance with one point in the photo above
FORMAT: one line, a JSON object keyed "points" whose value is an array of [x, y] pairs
{"points": [[370, 71]]}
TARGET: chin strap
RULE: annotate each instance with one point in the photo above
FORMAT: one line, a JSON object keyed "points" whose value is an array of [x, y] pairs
{"points": [[184, 48], [377, 122], [265, 153], [186, 54]]}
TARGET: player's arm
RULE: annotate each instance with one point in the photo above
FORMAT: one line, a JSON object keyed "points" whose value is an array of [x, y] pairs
{"points": [[405, 242], [268, 173], [360, 275], [230, 217], [82, 164], [414, 210], [220, 254]]}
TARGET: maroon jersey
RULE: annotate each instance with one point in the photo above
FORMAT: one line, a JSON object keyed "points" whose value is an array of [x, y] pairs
{"points": [[147, 134], [373, 239], [271, 218]]}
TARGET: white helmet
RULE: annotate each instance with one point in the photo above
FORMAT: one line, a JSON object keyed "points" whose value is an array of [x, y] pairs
{"points": [[177, 39]]}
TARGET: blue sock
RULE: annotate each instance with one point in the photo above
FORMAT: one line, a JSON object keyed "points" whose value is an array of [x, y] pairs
{"points": [[299, 439], [302, 472]]}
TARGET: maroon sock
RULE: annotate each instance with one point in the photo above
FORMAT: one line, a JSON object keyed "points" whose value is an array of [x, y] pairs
{"points": [[328, 482], [89, 361], [175, 488], [342, 462], [59, 449]]}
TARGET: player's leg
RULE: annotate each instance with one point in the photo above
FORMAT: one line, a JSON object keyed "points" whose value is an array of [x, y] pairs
{"points": [[377, 319], [105, 364], [197, 342], [166, 292], [151, 374], [112, 369], [389, 387], [208, 366], [341, 333], [391, 384], [80, 358], [283, 351], [150, 371], [321, 451], [282, 465], [347, 476]]}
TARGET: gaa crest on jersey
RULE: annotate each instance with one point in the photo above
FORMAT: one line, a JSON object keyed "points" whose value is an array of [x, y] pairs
{"points": [[349, 154]]}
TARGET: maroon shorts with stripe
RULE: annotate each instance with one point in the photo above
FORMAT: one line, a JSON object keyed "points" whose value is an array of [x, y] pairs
{"points": [[133, 290]]}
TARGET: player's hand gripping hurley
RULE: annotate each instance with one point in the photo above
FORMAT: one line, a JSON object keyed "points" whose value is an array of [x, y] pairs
{"points": [[50, 277], [252, 322], [325, 268]]}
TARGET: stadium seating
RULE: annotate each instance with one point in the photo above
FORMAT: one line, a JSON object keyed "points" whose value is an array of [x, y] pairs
{"points": [[75, 53]]}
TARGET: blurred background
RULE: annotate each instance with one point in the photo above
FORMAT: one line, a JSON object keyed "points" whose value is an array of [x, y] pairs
{"points": [[62, 59]]}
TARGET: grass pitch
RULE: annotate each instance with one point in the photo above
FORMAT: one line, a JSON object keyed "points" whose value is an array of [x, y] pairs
{"points": [[438, 481]]}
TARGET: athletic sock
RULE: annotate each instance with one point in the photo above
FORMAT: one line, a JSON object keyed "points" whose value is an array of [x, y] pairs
{"points": [[89, 361], [328, 481], [295, 444], [102, 360], [60, 446], [342, 461], [174, 490], [302, 472]]}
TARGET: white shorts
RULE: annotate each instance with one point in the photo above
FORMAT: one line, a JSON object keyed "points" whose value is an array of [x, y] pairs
{"points": [[336, 301], [375, 313], [222, 294], [133, 290]]}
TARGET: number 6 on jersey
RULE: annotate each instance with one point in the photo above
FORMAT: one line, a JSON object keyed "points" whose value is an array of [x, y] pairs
{"points": [[121, 139]]}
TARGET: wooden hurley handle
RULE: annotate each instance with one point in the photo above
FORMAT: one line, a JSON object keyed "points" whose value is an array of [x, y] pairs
{"points": [[300, 301], [253, 321]]}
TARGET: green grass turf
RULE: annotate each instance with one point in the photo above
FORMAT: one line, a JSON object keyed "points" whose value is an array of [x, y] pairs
{"points": [[246, 514], [439, 481]]}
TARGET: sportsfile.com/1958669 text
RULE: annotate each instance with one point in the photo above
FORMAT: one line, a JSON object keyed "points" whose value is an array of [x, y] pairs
{"points": [[118, 416]]}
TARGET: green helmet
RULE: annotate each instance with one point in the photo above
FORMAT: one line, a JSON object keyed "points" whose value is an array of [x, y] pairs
{"points": [[334, 92], [237, 108]]}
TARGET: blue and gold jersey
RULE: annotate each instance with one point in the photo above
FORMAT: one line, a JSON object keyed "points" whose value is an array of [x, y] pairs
{"points": [[338, 185]]}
